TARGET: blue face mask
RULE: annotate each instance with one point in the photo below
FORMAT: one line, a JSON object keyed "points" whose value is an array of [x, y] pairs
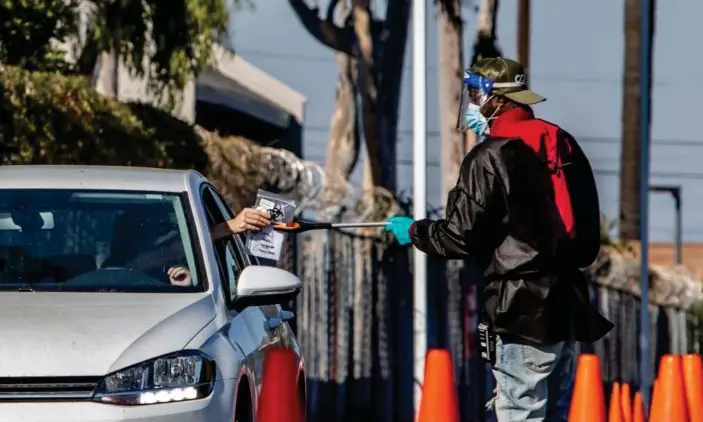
{"points": [[476, 121]]}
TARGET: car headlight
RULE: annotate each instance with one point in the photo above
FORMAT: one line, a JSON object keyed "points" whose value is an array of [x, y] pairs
{"points": [[181, 376]]}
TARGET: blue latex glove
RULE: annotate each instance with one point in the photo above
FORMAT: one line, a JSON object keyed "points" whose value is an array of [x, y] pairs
{"points": [[400, 227]]}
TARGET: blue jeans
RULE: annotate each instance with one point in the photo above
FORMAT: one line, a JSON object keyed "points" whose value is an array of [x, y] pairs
{"points": [[533, 381]]}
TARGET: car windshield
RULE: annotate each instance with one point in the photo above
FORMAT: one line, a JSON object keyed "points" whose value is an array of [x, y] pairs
{"points": [[95, 241]]}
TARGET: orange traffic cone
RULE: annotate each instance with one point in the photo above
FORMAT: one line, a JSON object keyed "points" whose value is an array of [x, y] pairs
{"points": [[638, 411], [655, 397], [626, 402], [439, 401], [278, 399], [615, 413], [669, 402], [693, 381], [588, 401]]}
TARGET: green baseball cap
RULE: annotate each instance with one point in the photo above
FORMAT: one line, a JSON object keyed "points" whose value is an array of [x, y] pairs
{"points": [[509, 79]]}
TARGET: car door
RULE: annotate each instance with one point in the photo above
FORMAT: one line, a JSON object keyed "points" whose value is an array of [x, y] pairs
{"points": [[265, 320], [247, 328]]}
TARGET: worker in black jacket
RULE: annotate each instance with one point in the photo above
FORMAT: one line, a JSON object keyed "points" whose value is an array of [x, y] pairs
{"points": [[525, 208]]}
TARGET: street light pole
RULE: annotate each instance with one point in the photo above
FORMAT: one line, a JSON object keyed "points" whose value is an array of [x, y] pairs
{"points": [[646, 36], [419, 191]]}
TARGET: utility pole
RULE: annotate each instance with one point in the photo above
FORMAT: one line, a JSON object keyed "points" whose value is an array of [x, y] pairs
{"points": [[419, 21], [523, 33], [645, 116]]}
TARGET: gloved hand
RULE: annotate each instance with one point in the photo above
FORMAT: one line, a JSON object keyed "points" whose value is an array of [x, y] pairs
{"points": [[400, 227]]}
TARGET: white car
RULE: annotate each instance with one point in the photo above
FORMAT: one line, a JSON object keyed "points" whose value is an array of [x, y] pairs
{"points": [[116, 305]]}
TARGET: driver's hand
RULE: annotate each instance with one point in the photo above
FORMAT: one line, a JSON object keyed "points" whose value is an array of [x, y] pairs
{"points": [[249, 219], [179, 276]]}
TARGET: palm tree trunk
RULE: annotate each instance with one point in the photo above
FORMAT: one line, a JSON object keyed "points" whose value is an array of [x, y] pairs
{"points": [[523, 41], [630, 199]]}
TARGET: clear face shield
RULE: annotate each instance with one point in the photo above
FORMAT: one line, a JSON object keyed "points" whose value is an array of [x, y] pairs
{"points": [[475, 93]]}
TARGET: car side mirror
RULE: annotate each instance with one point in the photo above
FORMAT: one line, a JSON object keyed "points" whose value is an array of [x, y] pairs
{"points": [[262, 285]]}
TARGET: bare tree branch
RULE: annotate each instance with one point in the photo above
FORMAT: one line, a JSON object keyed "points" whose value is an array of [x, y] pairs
{"points": [[325, 31], [375, 50]]}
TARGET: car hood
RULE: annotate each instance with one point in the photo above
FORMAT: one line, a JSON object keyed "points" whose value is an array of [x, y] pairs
{"points": [[89, 334]]}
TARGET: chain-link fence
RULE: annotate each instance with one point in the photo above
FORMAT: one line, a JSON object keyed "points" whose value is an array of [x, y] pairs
{"points": [[674, 325], [671, 331], [355, 322]]}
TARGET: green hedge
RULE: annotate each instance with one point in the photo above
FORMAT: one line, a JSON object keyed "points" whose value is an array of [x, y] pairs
{"points": [[47, 118]]}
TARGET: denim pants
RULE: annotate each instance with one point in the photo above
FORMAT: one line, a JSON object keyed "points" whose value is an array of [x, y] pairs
{"points": [[533, 381]]}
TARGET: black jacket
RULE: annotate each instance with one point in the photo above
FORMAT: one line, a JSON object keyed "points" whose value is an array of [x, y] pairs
{"points": [[502, 213]]}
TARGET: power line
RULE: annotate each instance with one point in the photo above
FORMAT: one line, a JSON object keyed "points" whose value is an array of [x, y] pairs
{"points": [[662, 174], [655, 142], [597, 172], [305, 58], [286, 56], [582, 139]]}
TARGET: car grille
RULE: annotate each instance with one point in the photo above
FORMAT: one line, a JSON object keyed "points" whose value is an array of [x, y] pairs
{"points": [[47, 388]]}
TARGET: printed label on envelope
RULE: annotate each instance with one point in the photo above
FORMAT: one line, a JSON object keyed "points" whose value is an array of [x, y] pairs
{"points": [[268, 243]]}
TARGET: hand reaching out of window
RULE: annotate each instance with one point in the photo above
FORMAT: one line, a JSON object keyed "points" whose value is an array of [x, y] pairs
{"points": [[249, 219]]}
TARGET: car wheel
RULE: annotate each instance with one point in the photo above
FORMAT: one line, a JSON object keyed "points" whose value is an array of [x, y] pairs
{"points": [[244, 412], [303, 399]]}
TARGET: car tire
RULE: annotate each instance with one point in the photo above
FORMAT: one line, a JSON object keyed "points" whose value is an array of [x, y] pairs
{"points": [[303, 399], [244, 413], [244, 410]]}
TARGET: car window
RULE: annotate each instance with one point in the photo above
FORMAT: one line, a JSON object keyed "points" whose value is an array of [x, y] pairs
{"points": [[229, 262], [242, 242], [96, 241], [233, 270]]}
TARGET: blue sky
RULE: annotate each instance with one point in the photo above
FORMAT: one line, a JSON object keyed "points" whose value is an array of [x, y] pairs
{"points": [[576, 62]]}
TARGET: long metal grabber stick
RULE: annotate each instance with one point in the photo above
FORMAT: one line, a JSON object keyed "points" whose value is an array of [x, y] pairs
{"points": [[304, 226]]}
